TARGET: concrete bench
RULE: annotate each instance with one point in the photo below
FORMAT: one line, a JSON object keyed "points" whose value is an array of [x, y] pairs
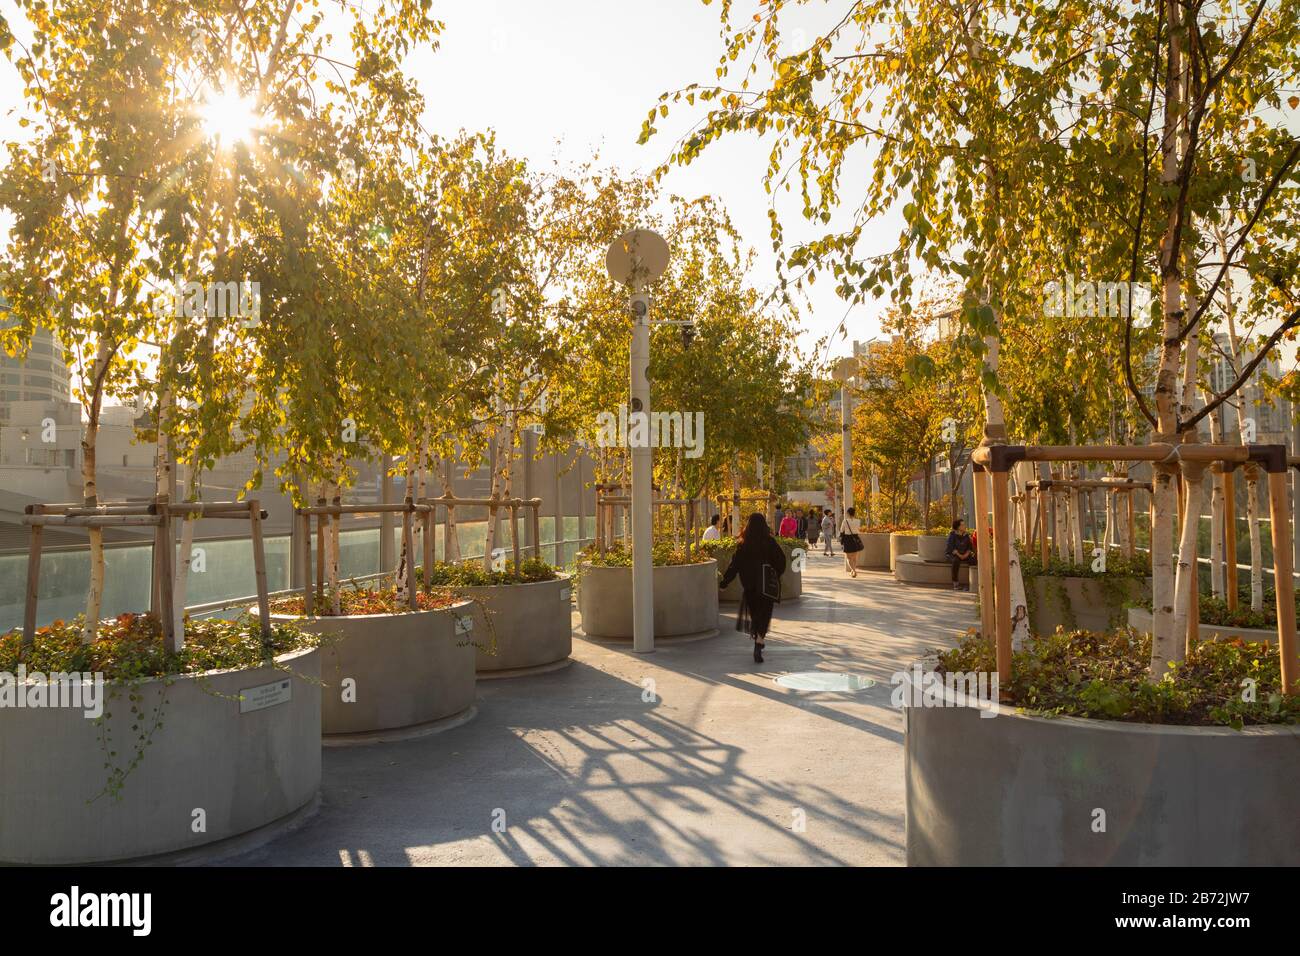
{"points": [[911, 569]]}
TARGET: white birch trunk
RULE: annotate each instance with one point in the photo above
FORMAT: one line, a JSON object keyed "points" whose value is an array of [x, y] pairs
{"points": [[90, 493], [1165, 647]]}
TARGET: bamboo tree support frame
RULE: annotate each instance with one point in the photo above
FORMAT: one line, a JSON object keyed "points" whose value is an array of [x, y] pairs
{"points": [[330, 513], [1126, 487], [610, 502], [1272, 458], [494, 504], [157, 513]]}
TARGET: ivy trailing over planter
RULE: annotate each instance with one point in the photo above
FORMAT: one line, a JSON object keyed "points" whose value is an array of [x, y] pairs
{"points": [[1116, 583], [130, 650], [1104, 676], [131, 647]]}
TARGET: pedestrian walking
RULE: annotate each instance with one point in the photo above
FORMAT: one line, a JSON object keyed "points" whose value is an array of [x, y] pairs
{"points": [[760, 562], [851, 541], [828, 527]]}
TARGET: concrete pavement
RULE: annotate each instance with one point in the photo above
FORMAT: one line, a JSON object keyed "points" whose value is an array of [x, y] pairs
{"points": [[691, 755]]}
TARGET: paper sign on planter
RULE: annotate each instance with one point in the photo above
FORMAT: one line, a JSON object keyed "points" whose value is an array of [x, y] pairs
{"points": [[464, 624]]}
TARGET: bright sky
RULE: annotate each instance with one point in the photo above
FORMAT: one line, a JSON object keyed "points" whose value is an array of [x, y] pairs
{"points": [[564, 79], [567, 78]]}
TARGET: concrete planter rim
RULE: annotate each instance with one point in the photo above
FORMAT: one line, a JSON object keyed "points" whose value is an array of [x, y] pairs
{"points": [[560, 576], [195, 675], [1124, 726], [275, 616], [602, 567]]}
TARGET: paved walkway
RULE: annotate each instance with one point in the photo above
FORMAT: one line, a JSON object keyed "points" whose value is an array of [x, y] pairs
{"points": [[724, 766]]}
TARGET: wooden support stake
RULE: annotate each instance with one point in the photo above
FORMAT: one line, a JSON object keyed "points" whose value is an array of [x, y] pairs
{"points": [[1283, 581], [308, 591], [514, 534], [259, 568], [1230, 536], [984, 552], [1043, 554], [166, 549], [408, 555], [448, 523], [322, 522], [537, 534], [33, 585], [1002, 582], [1131, 543], [427, 519]]}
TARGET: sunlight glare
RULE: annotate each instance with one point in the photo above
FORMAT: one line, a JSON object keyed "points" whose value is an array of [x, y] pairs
{"points": [[229, 117]]}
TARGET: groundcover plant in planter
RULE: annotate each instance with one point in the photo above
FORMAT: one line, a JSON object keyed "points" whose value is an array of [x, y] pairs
{"points": [[528, 612], [1217, 619], [1093, 595], [722, 549], [388, 668], [685, 588], [1197, 768], [192, 746]]}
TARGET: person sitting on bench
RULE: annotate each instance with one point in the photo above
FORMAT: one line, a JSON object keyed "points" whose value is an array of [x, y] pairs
{"points": [[960, 550]]}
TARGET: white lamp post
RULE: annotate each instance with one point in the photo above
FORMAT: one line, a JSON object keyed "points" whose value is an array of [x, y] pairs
{"points": [[636, 259], [844, 370]]}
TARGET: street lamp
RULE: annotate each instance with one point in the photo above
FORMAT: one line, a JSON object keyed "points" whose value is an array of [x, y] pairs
{"points": [[844, 370], [636, 259]]}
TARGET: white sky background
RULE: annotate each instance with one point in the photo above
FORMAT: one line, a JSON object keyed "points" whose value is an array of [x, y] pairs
{"points": [[567, 78], [564, 79]]}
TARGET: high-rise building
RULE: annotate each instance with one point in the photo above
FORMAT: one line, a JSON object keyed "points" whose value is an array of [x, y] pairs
{"points": [[41, 375]]}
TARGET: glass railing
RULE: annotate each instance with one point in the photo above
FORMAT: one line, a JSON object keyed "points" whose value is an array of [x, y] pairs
{"points": [[222, 570]]}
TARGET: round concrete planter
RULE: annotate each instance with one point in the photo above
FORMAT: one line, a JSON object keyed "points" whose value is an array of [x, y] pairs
{"points": [[931, 547], [875, 551], [791, 580], [686, 600], [1085, 603], [901, 544], [410, 672], [1015, 790], [246, 767], [1139, 618], [532, 624]]}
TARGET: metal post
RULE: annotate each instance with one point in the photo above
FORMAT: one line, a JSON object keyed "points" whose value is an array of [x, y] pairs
{"points": [[643, 614], [846, 445]]}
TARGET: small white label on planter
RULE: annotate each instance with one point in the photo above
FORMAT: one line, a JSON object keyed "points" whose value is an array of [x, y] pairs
{"points": [[266, 695], [464, 624], [564, 594]]}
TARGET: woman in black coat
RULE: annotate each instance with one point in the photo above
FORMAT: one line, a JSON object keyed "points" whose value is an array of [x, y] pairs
{"points": [[757, 547]]}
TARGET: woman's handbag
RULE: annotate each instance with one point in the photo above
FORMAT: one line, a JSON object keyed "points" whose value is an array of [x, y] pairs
{"points": [[771, 583], [851, 543]]}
